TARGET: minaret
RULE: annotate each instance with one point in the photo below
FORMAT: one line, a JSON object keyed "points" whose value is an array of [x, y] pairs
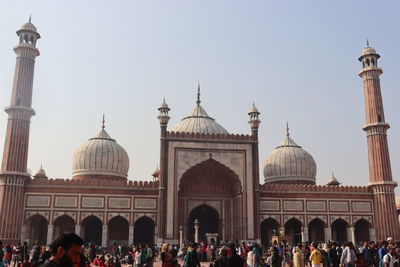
{"points": [[254, 122], [15, 155], [380, 173], [163, 118]]}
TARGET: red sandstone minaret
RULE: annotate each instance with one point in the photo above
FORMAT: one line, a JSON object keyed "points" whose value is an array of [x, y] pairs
{"points": [[380, 173], [15, 155]]}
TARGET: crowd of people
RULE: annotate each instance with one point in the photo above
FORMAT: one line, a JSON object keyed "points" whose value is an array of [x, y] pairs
{"points": [[68, 250]]}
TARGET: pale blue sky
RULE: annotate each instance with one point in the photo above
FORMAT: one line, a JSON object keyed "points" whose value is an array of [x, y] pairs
{"points": [[296, 59]]}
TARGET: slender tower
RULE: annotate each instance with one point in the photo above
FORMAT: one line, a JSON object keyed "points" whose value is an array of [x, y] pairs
{"points": [[380, 173], [14, 174]]}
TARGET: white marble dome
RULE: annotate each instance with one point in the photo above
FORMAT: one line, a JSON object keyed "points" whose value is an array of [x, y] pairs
{"points": [[198, 121], [289, 163], [101, 155]]}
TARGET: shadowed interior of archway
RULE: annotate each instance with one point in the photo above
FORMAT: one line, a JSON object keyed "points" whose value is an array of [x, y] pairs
{"points": [[144, 231], [212, 181], [209, 222], [36, 230], [92, 229]]}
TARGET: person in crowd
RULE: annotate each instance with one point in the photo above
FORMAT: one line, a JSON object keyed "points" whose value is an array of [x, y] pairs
{"points": [[333, 255], [192, 258], [26, 262], [250, 258], [66, 251], [16, 254], [298, 260], [348, 258], [35, 255], [275, 261], [7, 255], [316, 256], [374, 254], [234, 260], [166, 257], [138, 257], [382, 251], [222, 259], [389, 259], [325, 254], [365, 251]]}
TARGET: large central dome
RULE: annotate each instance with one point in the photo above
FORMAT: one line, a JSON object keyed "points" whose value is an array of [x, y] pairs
{"points": [[198, 121], [100, 157], [289, 163]]}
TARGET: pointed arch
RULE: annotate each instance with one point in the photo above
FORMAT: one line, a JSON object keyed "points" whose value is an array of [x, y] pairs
{"points": [[92, 229], [36, 227], [293, 229], [316, 231], [339, 230], [118, 231], [361, 229], [144, 230], [267, 227], [63, 224]]}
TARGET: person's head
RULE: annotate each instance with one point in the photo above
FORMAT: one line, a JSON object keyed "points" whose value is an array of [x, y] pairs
{"points": [[372, 244], [391, 250], [384, 243], [165, 247], [232, 247], [67, 248], [224, 250]]}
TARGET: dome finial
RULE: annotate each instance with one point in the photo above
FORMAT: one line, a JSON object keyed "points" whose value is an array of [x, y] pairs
{"points": [[287, 129], [30, 18], [367, 42], [198, 94], [103, 123]]}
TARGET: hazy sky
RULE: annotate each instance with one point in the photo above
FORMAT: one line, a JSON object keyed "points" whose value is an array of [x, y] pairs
{"points": [[296, 59]]}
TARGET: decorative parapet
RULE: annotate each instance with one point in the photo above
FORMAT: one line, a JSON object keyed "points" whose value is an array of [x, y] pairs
{"points": [[314, 188], [227, 137], [94, 183]]}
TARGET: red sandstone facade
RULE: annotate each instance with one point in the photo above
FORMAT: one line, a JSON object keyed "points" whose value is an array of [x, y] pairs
{"points": [[205, 174]]}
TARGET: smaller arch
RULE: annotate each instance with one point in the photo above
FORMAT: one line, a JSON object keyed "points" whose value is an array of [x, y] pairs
{"points": [[63, 224], [31, 40], [361, 230], [316, 230], [339, 230], [293, 229], [373, 62], [92, 229], [89, 215], [26, 39], [36, 229], [144, 230], [118, 230], [368, 62], [61, 215], [267, 228]]}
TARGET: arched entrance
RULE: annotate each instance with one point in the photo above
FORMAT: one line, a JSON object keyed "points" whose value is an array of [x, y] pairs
{"points": [[316, 231], [211, 181], [267, 228], [36, 230], [118, 231], [339, 230], [63, 224], [209, 222], [361, 228], [92, 230], [144, 231], [293, 229]]}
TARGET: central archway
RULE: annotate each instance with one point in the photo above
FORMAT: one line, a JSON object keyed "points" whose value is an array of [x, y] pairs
{"points": [[219, 191], [316, 231], [64, 224], [339, 230], [209, 222]]}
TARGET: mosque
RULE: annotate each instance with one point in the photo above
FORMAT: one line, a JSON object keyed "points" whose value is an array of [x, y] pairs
{"points": [[208, 180]]}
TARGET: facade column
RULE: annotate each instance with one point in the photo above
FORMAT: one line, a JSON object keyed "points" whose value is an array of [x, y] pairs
{"points": [[372, 234], [78, 229], [180, 237], [351, 234], [104, 237], [304, 234], [23, 229], [50, 230], [131, 233], [196, 231], [327, 234]]}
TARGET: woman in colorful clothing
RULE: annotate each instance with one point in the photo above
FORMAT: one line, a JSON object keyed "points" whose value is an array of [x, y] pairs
{"points": [[166, 258]]}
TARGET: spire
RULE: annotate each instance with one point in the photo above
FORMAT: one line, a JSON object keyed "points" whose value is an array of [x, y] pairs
{"points": [[30, 18], [103, 122], [367, 42], [287, 129], [198, 94]]}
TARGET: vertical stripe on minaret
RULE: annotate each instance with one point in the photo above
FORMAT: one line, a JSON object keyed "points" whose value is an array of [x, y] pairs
{"points": [[380, 172], [13, 173]]}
